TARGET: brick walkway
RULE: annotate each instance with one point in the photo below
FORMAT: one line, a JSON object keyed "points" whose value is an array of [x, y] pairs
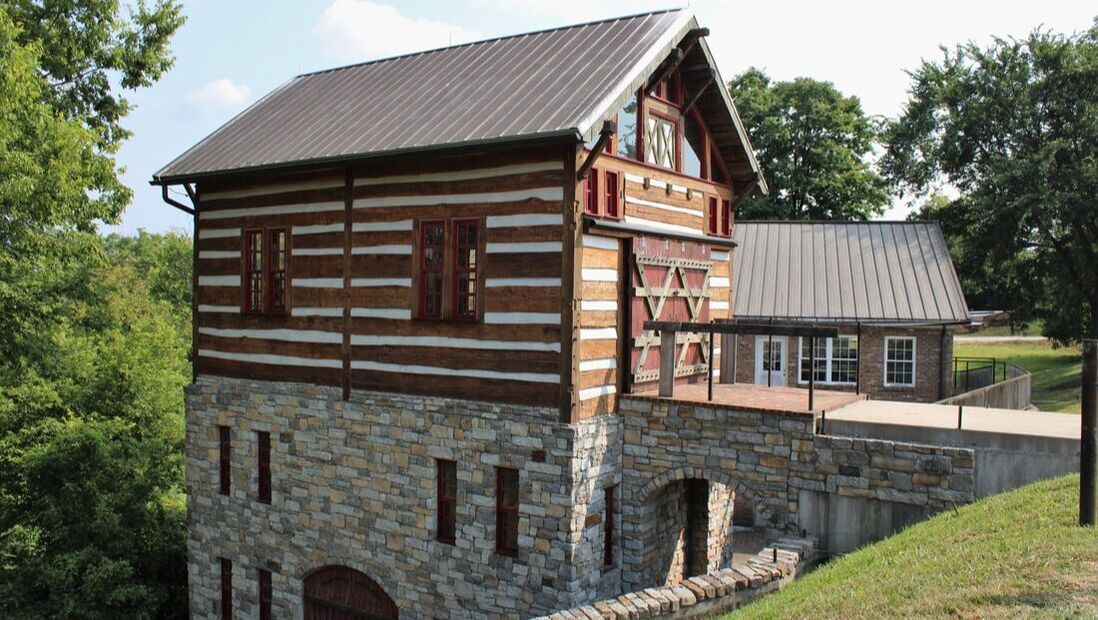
{"points": [[765, 398]]}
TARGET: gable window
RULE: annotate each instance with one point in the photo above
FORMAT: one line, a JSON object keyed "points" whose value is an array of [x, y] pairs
{"points": [[661, 141], [448, 266], [264, 594], [226, 589], [591, 192], [836, 360], [507, 511], [625, 140], [447, 501], [265, 262], [263, 466], [899, 361], [224, 471], [608, 528]]}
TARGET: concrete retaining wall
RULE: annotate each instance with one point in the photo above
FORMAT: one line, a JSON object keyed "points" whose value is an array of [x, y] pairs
{"points": [[1014, 393]]}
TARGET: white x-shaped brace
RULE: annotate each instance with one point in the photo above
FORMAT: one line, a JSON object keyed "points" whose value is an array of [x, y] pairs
{"points": [[656, 298]]}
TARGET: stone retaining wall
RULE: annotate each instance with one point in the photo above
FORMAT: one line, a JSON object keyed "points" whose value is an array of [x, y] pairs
{"points": [[706, 595]]}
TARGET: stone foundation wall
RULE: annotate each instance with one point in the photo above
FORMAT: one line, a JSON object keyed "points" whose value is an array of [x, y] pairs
{"points": [[354, 484]]}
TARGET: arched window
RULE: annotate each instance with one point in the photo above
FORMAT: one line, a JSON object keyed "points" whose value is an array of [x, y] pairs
{"points": [[341, 593]]}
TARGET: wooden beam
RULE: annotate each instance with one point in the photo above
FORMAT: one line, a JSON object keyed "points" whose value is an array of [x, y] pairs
{"points": [[609, 128], [762, 329], [701, 91], [673, 61]]}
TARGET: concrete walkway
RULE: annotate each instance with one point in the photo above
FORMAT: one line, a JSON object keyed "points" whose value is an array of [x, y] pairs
{"points": [[923, 415]]}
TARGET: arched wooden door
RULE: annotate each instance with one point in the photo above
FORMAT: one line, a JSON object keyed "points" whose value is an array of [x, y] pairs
{"points": [[341, 593]]}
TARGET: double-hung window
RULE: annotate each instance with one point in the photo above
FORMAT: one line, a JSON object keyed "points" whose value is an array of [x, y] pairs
{"points": [[899, 368], [836, 360], [265, 267], [447, 501], [448, 264]]}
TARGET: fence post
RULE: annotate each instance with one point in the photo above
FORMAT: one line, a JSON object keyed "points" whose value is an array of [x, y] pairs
{"points": [[1088, 456]]}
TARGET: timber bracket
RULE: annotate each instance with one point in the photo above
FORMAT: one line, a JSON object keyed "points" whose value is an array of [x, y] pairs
{"points": [[609, 128]]}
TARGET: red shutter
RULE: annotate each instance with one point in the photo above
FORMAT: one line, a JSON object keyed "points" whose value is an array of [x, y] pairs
{"points": [[507, 513], [224, 459], [613, 196], [464, 284], [431, 251], [726, 218], [591, 192], [713, 224], [263, 452], [447, 501]]}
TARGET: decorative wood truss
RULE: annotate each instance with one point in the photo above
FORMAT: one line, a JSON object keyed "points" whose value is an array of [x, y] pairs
{"points": [[656, 300]]}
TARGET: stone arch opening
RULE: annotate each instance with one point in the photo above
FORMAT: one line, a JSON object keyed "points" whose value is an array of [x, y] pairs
{"points": [[342, 593]]}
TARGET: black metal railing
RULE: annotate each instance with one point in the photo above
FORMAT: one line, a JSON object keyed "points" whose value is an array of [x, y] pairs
{"points": [[973, 373]]}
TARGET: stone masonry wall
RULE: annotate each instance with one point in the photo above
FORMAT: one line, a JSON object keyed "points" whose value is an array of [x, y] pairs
{"points": [[928, 369], [354, 484]]}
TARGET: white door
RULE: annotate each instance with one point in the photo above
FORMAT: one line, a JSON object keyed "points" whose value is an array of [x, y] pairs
{"points": [[771, 356]]}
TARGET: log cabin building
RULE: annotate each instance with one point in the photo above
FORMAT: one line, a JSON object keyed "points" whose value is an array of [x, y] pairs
{"points": [[420, 289]]}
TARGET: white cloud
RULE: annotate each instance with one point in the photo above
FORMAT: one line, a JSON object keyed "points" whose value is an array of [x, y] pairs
{"points": [[356, 30], [219, 95]]}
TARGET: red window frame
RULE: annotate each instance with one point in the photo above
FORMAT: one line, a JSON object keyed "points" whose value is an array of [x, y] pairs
{"points": [[224, 471], [726, 218], [608, 527], [507, 511], [263, 466], [466, 239], [446, 508], [591, 192], [427, 271], [226, 588], [713, 221], [265, 594], [612, 197], [265, 265]]}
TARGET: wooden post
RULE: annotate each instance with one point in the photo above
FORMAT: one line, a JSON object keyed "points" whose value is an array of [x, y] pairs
{"points": [[811, 373], [1088, 454], [667, 363], [711, 338]]}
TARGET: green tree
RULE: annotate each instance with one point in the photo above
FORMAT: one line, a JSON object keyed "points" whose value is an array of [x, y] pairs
{"points": [[815, 147], [1013, 128]]}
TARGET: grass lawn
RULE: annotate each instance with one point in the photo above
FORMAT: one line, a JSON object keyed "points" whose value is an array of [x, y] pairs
{"points": [[1056, 372], [1015, 555], [1033, 328]]}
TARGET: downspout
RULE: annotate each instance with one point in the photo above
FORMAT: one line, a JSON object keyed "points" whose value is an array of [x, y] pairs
{"points": [[193, 212]]}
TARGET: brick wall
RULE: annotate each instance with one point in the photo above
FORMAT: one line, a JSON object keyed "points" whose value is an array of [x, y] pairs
{"points": [[928, 369]]}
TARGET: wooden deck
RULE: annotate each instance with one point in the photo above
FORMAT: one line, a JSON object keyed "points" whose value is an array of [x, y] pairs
{"points": [[764, 398]]}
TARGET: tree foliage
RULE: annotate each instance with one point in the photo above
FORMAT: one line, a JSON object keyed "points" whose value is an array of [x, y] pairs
{"points": [[94, 333], [814, 145], [1013, 128]]}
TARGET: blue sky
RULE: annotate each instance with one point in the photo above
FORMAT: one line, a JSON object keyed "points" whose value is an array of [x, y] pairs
{"points": [[232, 52]]}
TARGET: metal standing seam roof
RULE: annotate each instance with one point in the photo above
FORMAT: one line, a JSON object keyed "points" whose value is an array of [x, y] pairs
{"points": [[873, 272], [560, 82]]}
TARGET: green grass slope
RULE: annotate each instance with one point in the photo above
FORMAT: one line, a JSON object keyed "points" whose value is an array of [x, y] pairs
{"points": [[1015, 555], [1056, 372]]}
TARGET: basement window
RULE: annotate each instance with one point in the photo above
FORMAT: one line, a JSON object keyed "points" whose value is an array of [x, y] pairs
{"points": [[899, 368], [263, 466], [446, 509], [507, 511]]}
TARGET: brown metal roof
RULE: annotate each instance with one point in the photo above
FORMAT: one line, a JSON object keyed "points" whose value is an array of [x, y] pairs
{"points": [[562, 82], [881, 272]]}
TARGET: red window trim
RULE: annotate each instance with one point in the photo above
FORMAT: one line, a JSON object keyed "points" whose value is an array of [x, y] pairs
{"points": [[224, 471], [712, 215], [726, 217], [458, 273], [608, 527], [265, 594], [267, 272], [421, 302], [263, 466], [226, 588], [503, 545], [446, 506], [612, 195], [591, 192]]}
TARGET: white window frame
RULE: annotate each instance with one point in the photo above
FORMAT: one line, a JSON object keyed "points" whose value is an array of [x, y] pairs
{"points": [[914, 361], [802, 360]]}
